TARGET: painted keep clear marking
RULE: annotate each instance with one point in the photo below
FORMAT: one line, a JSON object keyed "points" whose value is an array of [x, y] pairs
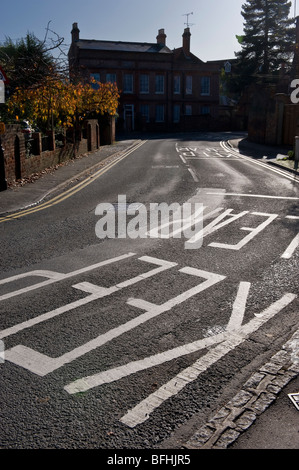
{"points": [[96, 292], [54, 276], [216, 224], [291, 248], [42, 365], [219, 344], [250, 236], [151, 311], [228, 340]]}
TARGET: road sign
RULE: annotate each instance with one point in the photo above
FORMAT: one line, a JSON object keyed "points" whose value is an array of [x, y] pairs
{"points": [[2, 92], [3, 76]]}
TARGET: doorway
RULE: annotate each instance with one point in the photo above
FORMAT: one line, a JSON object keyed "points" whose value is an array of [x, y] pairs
{"points": [[129, 117]]}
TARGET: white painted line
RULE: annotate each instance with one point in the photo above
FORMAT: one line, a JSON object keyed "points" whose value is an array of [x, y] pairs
{"points": [[250, 236], [142, 411], [195, 218], [293, 217], [239, 306], [42, 364], [153, 311], [253, 195], [183, 159], [194, 176], [54, 277], [97, 293], [268, 167], [291, 248], [216, 225]]}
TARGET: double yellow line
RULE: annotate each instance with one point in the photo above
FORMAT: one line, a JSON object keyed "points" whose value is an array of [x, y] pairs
{"points": [[70, 192]]}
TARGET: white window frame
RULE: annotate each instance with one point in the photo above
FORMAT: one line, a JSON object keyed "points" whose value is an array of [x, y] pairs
{"points": [[189, 85], [177, 84], [144, 83], [159, 84], [95, 76], [128, 83], [205, 84], [160, 113], [188, 109], [145, 112], [205, 110], [110, 77], [176, 113]]}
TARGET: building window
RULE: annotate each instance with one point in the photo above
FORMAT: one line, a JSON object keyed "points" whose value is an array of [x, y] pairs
{"points": [[160, 113], [205, 110], [188, 110], [95, 77], [177, 85], [189, 85], [128, 83], [228, 67], [205, 86], [144, 110], [111, 77], [160, 84], [144, 83], [176, 113]]}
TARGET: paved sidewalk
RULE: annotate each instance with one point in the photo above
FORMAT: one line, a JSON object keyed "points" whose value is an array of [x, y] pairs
{"points": [[261, 415], [271, 155], [21, 197]]}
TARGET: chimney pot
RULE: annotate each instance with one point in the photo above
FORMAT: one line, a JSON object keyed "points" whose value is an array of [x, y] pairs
{"points": [[186, 41], [75, 32], [161, 38]]}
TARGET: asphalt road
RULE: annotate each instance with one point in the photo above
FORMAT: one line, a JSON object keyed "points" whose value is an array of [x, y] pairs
{"points": [[126, 343]]}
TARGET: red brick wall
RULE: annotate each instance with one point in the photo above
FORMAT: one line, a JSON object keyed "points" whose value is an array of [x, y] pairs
{"points": [[19, 165]]}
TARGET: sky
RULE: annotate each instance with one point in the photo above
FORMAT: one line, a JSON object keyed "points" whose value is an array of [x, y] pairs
{"points": [[214, 24]]}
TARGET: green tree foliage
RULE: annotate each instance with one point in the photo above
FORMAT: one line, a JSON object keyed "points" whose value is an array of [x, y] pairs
{"points": [[26, 62], [267, 42]]}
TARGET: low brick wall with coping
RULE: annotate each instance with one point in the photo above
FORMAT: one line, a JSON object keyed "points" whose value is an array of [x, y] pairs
{"points": [[24, 155]]}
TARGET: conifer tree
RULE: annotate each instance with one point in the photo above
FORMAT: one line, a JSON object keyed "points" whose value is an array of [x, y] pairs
{"points": [[268, 39]]}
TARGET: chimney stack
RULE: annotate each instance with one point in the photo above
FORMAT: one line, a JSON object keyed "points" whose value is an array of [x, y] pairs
{"points": [[75, 32], [186, 41], [161, 38]]}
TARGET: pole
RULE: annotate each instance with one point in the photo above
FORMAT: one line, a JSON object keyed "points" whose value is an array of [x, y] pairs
{"points": [[3, 182], [296, 153]]}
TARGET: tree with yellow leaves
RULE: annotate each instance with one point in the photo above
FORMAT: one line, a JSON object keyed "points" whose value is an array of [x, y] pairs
{"points": [[59, 103]]}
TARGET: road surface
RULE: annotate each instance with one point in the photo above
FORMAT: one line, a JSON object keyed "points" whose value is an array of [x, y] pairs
{"points": [[134, 341]]}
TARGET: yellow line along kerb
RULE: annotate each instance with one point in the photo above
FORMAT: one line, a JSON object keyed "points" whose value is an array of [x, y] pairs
{"points": [[70, 192]]}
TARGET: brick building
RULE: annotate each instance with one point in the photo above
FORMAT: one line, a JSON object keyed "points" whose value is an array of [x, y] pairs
{"points": [[161, 89]]}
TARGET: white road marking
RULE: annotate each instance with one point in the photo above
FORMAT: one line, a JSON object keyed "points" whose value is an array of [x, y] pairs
{"points": [[96, 292], [293, 178], [239, 306], [152, 310], [42, 365], [183, 159], [142, 411], [54, 277], [264, 196], [216, 225], [291, 248], [194, 176], [250, 236]]}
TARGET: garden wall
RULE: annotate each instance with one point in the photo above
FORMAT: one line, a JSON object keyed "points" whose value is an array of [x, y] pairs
{"points": [[27, 154]]}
